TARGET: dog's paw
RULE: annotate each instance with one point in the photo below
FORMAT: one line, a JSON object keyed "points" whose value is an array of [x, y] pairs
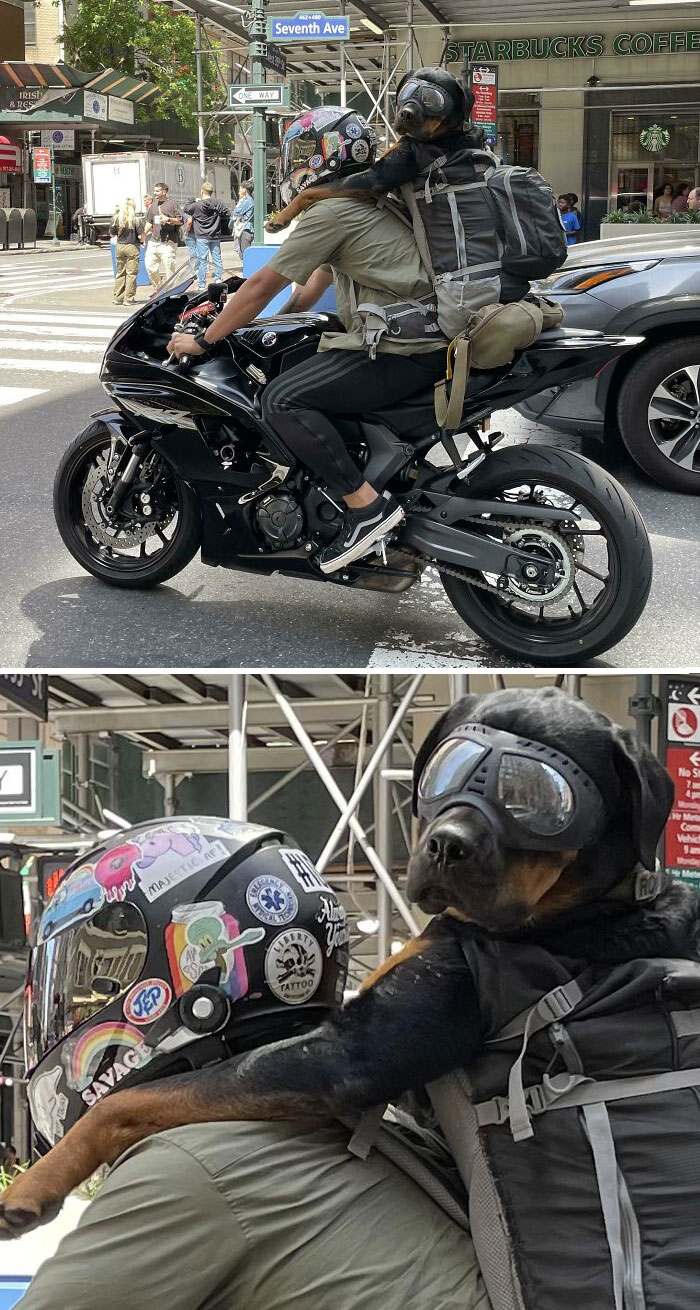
{"points": [[275, 224], [23, 1208]]}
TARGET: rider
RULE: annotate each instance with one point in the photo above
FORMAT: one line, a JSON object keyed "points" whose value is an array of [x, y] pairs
{"points": [[372, 256], [204, 938]]}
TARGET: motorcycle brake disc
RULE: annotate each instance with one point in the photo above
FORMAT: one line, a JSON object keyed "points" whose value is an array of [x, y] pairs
{"points": [[102, 528]]}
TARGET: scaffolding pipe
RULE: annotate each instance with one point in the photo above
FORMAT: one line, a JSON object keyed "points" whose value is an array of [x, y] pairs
{"points": [[343, 67], [383, 816], [385, 733], [459, 686], [200, 100], [290, 776], [334, 790], [169, 795], [237, 771]]}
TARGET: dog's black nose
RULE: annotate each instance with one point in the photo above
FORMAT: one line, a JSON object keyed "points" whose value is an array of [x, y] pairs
{"points": [[446, 844]]}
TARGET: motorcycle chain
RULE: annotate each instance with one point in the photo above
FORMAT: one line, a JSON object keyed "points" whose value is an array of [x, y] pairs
{"points": [[464, 575]]}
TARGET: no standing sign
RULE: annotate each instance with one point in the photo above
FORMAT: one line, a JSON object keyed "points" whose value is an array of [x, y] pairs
{"points": [[682, 836]]}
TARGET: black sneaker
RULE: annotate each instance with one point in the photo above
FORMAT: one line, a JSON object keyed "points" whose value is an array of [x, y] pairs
{"points": [[360, 530]]}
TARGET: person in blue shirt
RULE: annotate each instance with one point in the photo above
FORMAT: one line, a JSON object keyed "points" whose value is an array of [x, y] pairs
{"points": [[569, 219], [242, 217]]}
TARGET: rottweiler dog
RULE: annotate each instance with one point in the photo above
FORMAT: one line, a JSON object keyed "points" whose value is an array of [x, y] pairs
{"points": [[446, 131], [417, 1017]]}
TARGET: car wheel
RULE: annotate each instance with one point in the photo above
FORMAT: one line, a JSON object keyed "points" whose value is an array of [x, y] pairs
{"points": [[658, 412]]}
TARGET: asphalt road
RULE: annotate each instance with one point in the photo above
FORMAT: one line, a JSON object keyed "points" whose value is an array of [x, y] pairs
{"points": [[54, 615]]}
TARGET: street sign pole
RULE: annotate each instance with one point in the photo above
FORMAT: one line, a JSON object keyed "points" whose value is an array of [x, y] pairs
{"points": [[55, 241], [257, 37]]}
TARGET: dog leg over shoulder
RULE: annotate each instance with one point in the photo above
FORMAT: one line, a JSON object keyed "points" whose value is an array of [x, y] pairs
{"points": [[397, 1035]]}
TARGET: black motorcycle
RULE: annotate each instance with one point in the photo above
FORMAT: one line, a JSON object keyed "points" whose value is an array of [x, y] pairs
{"points": [[539, 551]]}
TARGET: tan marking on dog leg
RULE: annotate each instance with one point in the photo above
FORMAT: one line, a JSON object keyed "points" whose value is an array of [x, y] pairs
{"points": [[530, 878], [414, 947]]}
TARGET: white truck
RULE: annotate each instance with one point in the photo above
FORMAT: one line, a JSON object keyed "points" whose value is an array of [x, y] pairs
{"points": [[112, 178]]}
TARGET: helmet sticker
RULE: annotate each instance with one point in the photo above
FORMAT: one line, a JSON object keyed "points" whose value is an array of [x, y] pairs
{"points": [[359, 151], [147, 1001], [155, 861], [315, 161], [294, 966], [204, 936], [304, 871], [331, 916], [332, 143], [76, 898], [48, 1105], [82, 1056], [352, 129], [271, 900]]}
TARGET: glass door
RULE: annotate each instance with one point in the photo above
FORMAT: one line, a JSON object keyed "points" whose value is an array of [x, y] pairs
{"points": [[632, 185]]}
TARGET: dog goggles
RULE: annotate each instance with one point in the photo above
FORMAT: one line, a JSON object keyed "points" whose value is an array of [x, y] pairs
{"points": [[429, 97], [536, 798]]}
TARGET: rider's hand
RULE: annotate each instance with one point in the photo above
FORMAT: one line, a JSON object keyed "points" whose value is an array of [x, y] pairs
{"points": [[182, 343]]}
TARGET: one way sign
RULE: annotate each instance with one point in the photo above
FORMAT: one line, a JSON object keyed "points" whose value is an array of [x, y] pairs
{"points": [[273, 96]]}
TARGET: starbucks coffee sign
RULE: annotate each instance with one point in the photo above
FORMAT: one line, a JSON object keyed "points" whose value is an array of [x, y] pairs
{"points": [[655, 138], [483, 50]]}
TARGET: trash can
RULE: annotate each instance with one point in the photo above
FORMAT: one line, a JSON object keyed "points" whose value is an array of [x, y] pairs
{"points": [[142, 280], [3, 229], [14, 228], [28, 227]]}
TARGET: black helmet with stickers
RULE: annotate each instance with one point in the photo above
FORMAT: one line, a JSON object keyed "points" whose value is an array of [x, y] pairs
{"points": [[172, 945], [322, 144]]}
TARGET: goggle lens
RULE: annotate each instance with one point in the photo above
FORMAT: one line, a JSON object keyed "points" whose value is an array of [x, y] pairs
{"points": [[448, 768], [431, 97], [535, 795]]}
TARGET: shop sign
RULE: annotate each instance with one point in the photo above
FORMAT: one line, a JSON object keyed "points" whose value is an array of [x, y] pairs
{"points": [[95, 106], [486, 50], [13, 100], [58, 139], [42, 164], [67, 170], [484, 84], [10, 157], [29, 783], [29, 691], [121, 111], [309, 27], [655, 138]]}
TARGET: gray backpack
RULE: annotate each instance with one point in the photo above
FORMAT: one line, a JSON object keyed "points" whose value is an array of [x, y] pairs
{"points": [[481, 228], [577, 1130]]}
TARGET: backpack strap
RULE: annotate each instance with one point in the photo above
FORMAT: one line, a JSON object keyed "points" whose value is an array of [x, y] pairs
{"points": [[418, 230]]}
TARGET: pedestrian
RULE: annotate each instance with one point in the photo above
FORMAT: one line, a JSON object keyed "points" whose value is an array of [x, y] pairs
{"points": [[78, 223], [680, 198], [242, 224], [207, 217], [663, 204], [129, 233], [163, 222], [9, 1161], [573, 205], [568, 218], [189, 236], [694, 200]]}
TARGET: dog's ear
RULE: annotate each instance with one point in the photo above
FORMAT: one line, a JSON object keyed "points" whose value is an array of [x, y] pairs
{"points": [[648, 789], [460, 713]]}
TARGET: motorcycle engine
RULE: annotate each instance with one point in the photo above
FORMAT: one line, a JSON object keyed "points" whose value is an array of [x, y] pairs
{"points": [[280, 518]]}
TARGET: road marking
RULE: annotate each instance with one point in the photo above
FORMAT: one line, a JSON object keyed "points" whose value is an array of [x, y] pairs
{"points": [[31, 316], [50, 366], [15, 395], [20, 343], [413, 643], [48, 330]]}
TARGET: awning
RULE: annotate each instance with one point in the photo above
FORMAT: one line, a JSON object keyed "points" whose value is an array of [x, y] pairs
{"points": [[62, 78]]}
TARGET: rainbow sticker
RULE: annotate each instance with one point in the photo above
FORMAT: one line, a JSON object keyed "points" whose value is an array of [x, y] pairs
{"points": [[82, 1055]]}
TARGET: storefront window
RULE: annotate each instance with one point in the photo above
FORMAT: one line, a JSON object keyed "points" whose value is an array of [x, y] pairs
{"points": [[647, 152], [519, 130]]}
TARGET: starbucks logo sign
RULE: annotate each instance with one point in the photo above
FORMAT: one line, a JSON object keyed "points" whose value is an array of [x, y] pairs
{"points": [[655, 138]]}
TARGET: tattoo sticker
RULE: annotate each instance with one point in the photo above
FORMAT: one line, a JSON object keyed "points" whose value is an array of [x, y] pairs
{"points": [[293, 966]]}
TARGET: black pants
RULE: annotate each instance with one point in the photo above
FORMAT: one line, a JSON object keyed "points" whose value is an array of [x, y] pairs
{"points": [[297, 404]]}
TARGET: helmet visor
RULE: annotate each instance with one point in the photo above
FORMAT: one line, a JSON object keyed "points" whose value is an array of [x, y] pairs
{"points": [[79, 971], [296, 152]]}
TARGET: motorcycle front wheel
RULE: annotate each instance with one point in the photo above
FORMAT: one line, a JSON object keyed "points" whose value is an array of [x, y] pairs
{"points": [[154, 535], [602, 559]]}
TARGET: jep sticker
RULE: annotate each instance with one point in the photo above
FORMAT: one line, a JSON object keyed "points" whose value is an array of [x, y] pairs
{"points": [[147, 1001], [293, 966], [271, 900]]}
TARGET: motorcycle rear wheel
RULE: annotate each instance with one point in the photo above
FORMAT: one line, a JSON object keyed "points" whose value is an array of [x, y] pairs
{"points": [[525, 627], [169, 554]]}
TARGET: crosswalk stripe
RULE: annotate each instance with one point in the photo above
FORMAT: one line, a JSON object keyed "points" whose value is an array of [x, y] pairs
{"points": [[48, 329], [14, 395], [20, 343], [29, 316], [50, 366]]}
